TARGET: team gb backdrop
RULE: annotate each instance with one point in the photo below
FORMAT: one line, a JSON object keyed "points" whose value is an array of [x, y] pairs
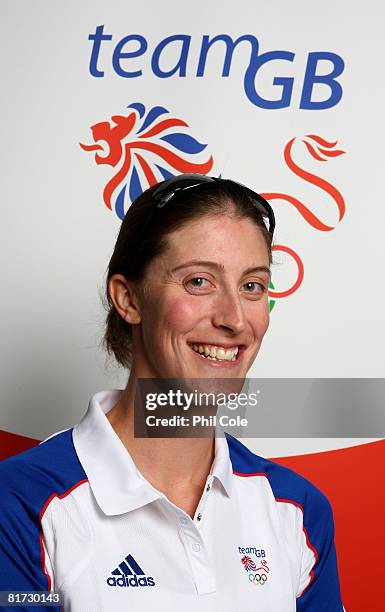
{"points": [[100, 101]]}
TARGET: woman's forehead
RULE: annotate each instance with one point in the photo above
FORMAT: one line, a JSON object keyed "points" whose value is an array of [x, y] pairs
{"points": [[215, 224], [216, 228], [224, 240]]}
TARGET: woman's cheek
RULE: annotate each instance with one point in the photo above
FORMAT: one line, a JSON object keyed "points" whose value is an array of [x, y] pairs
{"points": [[259, 318], [182, 312], [264, 320]]}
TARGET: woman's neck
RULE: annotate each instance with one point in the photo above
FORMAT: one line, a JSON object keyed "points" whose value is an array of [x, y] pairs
{"points": [[178, 467]]}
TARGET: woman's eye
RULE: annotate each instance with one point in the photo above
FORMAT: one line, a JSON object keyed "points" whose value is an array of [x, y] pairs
{"points": [[254, 288], [198, 285], [197, 282]]}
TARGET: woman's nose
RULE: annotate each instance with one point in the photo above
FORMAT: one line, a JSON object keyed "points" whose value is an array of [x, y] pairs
{"points": [[228, 313]]}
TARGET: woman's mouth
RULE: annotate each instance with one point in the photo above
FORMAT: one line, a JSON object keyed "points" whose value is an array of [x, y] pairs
{"points": [[214, 352]]}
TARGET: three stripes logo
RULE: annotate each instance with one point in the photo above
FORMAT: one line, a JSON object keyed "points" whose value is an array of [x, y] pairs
{"points": [[129, 574]]}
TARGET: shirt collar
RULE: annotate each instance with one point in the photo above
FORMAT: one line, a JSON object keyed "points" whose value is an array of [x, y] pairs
{"points": [[116, 483]]}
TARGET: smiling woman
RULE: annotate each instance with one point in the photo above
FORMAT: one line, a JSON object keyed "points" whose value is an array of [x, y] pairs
{"points": [[116, 521], [189, 258]]}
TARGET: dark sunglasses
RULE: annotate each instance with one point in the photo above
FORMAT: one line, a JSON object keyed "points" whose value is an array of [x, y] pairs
{"points": [[169, 188]]}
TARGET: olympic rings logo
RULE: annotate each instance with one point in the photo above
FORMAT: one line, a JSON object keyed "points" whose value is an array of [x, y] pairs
{"points": [[258, 578], [300, 272]]}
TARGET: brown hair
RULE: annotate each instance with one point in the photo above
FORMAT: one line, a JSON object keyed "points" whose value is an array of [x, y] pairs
{"points": [[143, 236]]}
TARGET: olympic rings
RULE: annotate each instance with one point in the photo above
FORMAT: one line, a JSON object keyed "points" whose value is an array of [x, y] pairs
{"points": [[258, 578], [300, 272]]}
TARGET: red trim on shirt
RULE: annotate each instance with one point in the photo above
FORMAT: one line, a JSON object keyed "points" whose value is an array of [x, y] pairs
{"points": [[47, 503], [255, 474], [42, 563], [308, 543]]}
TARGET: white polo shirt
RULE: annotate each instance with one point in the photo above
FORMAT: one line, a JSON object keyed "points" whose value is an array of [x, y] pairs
{"points": [[78, 517]]}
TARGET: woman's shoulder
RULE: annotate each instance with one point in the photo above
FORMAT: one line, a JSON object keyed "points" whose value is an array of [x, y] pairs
{"points": [[29, 481], [30, 478], [286, 485]]}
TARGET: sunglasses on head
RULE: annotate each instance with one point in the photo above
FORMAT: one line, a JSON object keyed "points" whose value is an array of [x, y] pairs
{"points": [[171, 187]]}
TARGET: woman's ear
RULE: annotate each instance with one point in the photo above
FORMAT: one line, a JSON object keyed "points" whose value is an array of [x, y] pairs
{"points": [[122, 294]]}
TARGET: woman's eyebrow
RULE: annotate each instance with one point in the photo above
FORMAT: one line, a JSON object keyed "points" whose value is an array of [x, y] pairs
{"points": [[220, 267]]}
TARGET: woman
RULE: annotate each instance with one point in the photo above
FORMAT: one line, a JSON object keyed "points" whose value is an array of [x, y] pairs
{"points": [[115, 522]]}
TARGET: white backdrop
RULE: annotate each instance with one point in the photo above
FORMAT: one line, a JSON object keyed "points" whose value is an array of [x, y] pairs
{"points": [[57, 234]]}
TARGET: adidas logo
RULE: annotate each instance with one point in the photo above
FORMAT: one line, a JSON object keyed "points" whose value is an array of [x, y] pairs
{"points": [[129, 574]]}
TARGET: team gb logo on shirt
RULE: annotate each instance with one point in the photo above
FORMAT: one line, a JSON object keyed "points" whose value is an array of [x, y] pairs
{"points": [[257, 570]]}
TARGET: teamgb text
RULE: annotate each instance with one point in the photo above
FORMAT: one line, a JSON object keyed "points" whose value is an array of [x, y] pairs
{"points": [[319, 88]]}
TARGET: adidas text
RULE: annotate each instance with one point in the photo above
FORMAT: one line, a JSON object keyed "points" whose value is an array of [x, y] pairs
{"points": [[134, 581]]}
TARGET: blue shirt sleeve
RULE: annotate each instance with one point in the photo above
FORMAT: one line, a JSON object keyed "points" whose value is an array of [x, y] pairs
{"points": [[323, 592], [21, 557]]}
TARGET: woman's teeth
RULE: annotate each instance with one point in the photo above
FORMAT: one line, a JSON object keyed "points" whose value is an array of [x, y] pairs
{"points": [[217, 353]]}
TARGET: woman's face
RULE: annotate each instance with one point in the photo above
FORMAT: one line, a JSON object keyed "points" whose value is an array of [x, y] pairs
{"points": [[204, 309]]}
